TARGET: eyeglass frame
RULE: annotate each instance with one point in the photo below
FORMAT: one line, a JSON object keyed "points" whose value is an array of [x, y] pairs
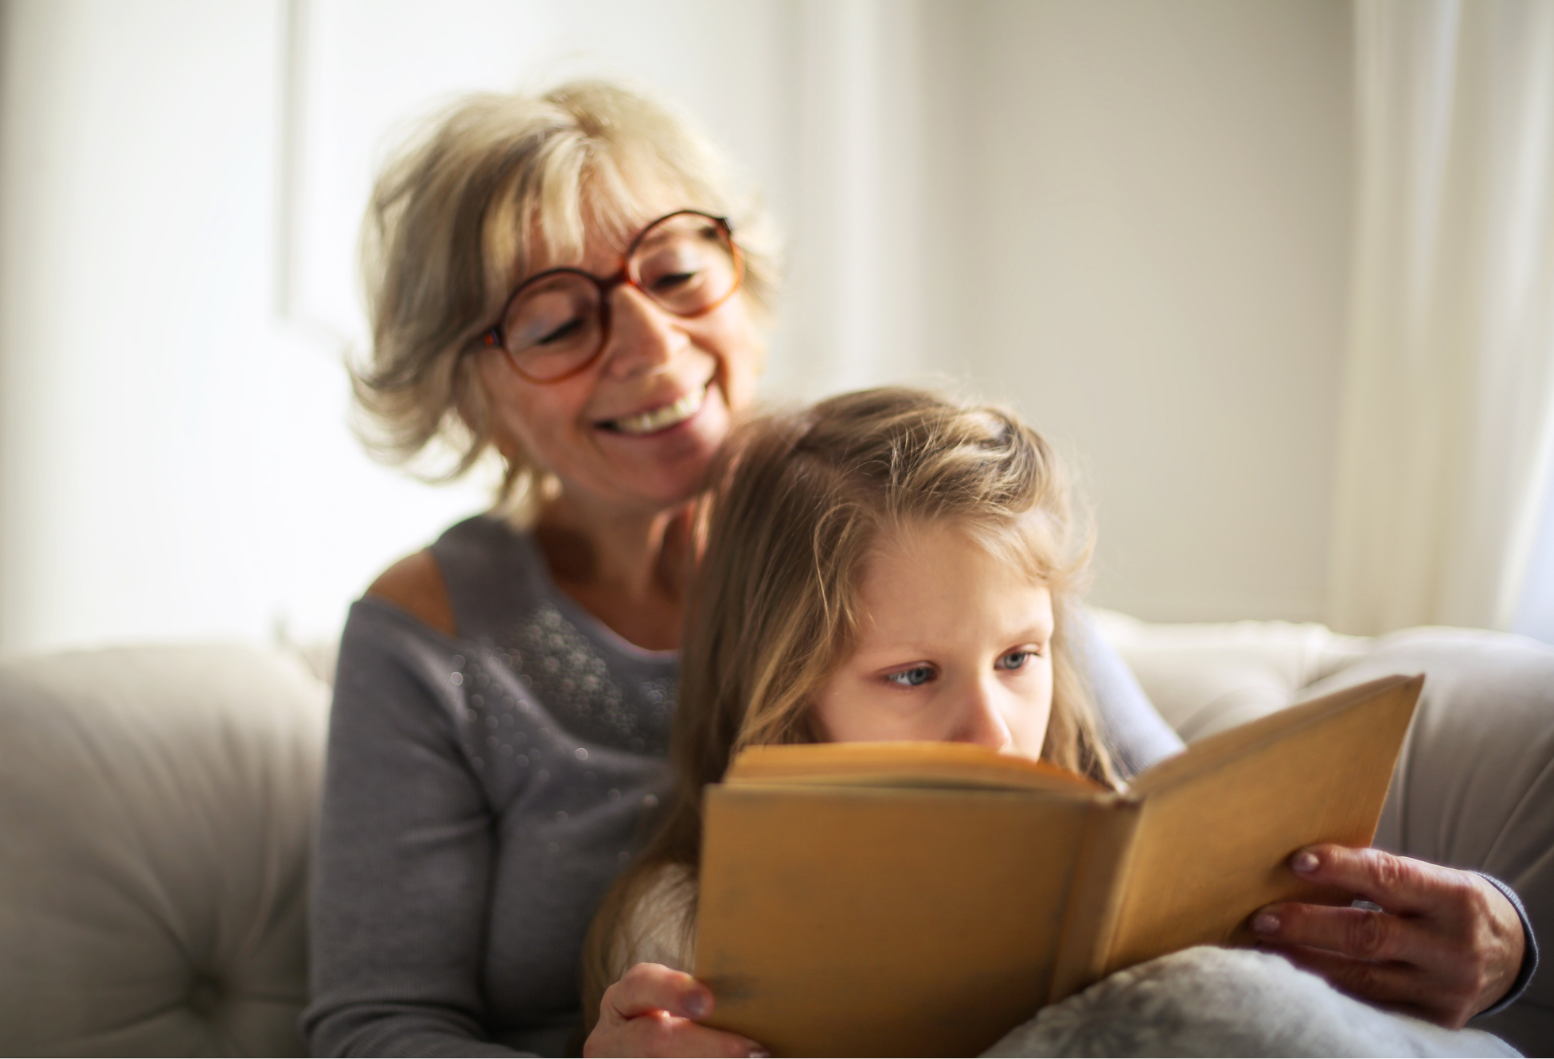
{"points": [[494, 336]]}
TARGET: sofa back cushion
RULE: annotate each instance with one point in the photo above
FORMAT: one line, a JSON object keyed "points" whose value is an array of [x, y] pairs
{"points": [[156, 808]]}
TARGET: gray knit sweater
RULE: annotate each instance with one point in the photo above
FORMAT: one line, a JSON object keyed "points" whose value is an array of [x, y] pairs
{"points": [[483, 791]]}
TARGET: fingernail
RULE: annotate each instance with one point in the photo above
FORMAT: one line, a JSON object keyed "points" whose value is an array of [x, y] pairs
{"points": [[1265, 923], [1305, 862], [760, 1053], [698, 1005]]}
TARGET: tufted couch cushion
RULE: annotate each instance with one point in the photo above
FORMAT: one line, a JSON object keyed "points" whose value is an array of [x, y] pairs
{"points": [[156, 810]]}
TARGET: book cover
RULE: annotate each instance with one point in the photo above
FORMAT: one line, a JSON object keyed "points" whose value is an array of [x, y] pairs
{"points": [[925, 898]]}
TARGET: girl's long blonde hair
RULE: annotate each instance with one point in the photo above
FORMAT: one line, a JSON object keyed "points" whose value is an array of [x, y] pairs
{"points": [[798, 502]]}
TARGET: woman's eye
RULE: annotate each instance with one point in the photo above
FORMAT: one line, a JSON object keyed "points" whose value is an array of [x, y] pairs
{"points": [[1014, 660], [674, 268], [672, 281], [550, 317], [911, 678], [561, 333]]}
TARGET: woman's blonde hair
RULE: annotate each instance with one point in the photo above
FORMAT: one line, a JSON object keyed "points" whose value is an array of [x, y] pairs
{"points": [[459, 215], [799, 502]]}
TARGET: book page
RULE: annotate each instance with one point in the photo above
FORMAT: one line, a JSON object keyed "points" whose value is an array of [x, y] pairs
{"points": [[1219, 822], [904, 764], [861, 921]]}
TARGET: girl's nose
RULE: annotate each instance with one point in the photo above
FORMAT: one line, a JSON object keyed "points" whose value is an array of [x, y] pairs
{"points": [[643, 336], [982, 721]]}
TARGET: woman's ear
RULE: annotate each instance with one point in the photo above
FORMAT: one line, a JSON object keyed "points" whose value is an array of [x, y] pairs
{"points": [[471, 396]]}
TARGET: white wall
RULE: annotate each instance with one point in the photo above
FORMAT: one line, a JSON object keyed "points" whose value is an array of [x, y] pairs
{"points": [[1158, 196], [146, 404], [1128, 218]]}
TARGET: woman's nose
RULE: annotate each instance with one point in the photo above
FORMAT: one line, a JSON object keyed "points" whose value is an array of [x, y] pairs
{"points": [[982, 722], [643, 336]]}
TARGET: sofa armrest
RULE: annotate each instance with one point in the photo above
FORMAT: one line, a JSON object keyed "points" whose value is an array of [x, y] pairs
{"points": [[1474, 786]]}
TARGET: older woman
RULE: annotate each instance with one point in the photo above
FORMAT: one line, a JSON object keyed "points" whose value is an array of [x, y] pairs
{"points": [[571, 281]]}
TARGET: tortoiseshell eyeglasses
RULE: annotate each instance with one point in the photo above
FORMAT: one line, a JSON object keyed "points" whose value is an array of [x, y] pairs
{"points": [[556, 323]]}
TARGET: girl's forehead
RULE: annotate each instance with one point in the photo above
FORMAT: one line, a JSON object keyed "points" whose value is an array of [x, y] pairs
{"points": [[933, 599], [1017, 547]]}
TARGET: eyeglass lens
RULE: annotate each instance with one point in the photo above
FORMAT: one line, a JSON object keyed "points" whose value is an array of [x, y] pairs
{"points": [[685, 263]]}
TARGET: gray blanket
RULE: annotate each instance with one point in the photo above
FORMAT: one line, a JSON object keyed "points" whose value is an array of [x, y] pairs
{"points": [[1211, 1001]]}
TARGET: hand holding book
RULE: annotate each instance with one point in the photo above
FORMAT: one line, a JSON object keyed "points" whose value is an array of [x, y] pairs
{"points": [[1443, 945], [652, 1011]]}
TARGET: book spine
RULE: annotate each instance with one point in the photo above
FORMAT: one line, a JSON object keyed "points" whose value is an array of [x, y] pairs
{"points": [[1095, 896]]}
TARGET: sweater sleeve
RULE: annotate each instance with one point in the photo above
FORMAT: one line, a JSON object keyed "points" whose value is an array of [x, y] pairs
{"points": [[1529, 953], [401, 885], [1138, 736]]}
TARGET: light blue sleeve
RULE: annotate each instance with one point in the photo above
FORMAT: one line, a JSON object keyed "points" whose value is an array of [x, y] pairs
{"points": [[1136, 734]]}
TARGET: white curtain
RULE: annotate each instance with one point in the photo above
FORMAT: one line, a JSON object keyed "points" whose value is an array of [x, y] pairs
{"points": [[1447, 431]]}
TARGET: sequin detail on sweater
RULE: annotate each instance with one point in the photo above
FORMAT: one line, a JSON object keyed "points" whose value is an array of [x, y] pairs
{"points": [[564, 669]]}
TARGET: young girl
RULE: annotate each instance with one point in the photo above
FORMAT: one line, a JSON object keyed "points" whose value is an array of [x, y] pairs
{"points": [[890, 565], [887, 565]]}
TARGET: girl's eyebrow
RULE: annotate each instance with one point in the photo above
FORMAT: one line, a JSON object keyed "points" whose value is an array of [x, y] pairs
{"points": [[894, 656], [907, 655]]}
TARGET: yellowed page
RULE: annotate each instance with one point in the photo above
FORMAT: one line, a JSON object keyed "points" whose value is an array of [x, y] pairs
{"points": [[860, 921], [902, 764], [1218, 824]]}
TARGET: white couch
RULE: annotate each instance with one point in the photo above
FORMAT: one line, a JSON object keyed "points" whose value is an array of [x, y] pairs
{"points": [[156, 808]]}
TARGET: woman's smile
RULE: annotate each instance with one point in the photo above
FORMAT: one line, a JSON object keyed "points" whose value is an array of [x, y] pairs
{"points": [[660, 417]]}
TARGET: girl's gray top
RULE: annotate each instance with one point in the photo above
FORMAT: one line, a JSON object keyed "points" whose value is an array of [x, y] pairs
{"points": [[482, 792]]}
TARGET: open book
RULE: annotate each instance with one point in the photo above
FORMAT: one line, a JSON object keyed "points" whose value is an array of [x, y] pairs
{"points": [[925, 898]]}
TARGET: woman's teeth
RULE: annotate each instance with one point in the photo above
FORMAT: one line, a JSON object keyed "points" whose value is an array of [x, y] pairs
{"points": [[654, 420]]}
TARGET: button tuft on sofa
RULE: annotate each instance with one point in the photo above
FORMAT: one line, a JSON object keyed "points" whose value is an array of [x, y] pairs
{"points": [[157, 805]]}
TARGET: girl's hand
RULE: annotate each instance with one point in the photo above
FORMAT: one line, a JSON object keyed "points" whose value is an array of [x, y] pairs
{"points": [[652, 1011], [1445, 946]]}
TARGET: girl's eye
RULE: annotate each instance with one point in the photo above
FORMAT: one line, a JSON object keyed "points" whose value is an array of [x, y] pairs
{"points": [[1013, 660], [911, 678]]}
